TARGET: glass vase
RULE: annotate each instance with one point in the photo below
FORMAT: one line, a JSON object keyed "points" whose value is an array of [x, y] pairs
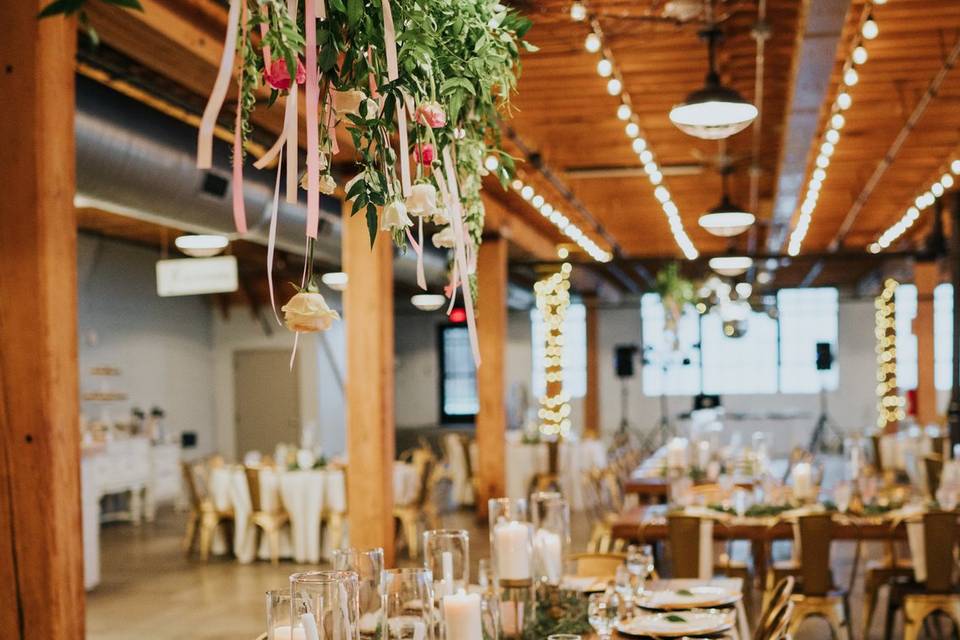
{"points": [[368, 565], [511, 553], [325, 605], [279, 617], [551, 535], [446, 553], [408, 605]]}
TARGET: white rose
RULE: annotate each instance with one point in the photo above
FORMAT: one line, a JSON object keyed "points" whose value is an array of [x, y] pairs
{"points": [[422, 200], [395, 217], [440, 216], [444, 239], [348, 102], [327, 184], [307, 312], [373, 108]]}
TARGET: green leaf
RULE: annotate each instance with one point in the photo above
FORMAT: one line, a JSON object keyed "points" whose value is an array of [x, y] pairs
{"points": [[57, 7], [127, 4], [373, 224], [338, 5], [354, 11], [532, 48], [674, 618]]}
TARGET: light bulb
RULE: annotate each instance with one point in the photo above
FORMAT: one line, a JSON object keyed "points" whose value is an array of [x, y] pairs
{"points": [[850, 77], [604, 67], [833, 136], [632, 129], [870, 29], [946, 180], [819, 174], [823, 161], [592, 43], [646, 157], [491, 163], [826, 149], [844, 100], [578, 12], [955, 167], [527, 192], [639, 144], [837, 121], [624, 112], [517, 184], [860, 54], [614, 86], [937, 189], [537, 201]]}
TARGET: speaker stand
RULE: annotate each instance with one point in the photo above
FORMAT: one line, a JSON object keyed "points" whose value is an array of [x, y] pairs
{"points": [[827, 436]]}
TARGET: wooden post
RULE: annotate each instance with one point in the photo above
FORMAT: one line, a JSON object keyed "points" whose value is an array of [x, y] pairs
{"points": [[953, 409], [492, 329], [925, 276], [591, 400], [41, 551], [368, 318]]}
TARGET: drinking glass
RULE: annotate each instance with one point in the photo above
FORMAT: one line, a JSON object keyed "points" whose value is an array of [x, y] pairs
{"points": [[603, 612], [484, 573], [408, 611], [446, 553], [368, 565], [279, 624], [551, 538], [640, 564], [325, 605], [624, 586]]}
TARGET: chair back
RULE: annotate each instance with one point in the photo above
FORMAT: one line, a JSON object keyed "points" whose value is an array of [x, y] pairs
{"points": [[253, 486], [933, 464], [780, 623], [939, 540], [815, 533], [684, 536], [877, 455], [598, 565], [190, 479], [613, 490], [779, 598]]}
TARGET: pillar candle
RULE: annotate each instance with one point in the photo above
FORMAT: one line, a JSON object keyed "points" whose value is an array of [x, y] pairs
{"points": [[512, 542], [549, 551], [446, 561], [677, 453], [284, 632], [802, 480], [703, 451], [461, 614]]}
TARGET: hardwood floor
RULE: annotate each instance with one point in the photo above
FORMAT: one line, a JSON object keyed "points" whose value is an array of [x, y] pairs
{"points": [[150, 589]]}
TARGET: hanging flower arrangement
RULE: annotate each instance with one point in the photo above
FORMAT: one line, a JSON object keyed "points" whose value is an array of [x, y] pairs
{"points": [[418, 85]]}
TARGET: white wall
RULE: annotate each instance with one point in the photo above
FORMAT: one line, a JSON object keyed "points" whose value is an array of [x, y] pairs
{"points": [[162, 346]]}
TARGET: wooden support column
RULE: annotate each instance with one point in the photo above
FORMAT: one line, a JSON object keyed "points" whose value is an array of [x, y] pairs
{"points": [[491, 377], [926, 275], [591, 400], [368, 318], [41, 552]]}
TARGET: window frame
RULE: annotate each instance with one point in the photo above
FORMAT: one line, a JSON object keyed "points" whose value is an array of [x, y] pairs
{"points": [[447, 419]]}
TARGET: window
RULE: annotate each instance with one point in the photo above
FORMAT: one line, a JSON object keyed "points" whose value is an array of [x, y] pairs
{"points": [[943, 336], [906, 312], [775, 354], [574, 356], [807, 316], [458, 375]]}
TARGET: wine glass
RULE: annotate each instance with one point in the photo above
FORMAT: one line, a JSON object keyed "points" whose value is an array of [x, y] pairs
{"points": [[640, 564], [602, 612], [624, 586]]}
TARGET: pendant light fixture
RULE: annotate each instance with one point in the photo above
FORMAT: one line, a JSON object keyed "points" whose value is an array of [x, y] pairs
{"points": [[726, 219], [715, 111], [731, 266]]}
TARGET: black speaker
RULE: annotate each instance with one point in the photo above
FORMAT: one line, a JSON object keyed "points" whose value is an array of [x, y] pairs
{"points": [[623, 358], [705, 401], [188, 439], [824, 356]]}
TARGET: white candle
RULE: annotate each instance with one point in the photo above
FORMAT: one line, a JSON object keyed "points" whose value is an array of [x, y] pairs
{"points": [[461, 614], [703, 449], [309, 627], [677, 453], [285, 632], [802, 480], [446, 560], [512, 540], [511, 617], [549, 550]]}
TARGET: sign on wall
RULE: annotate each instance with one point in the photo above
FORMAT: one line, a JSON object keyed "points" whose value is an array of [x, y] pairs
{"points": [[196, 276]]}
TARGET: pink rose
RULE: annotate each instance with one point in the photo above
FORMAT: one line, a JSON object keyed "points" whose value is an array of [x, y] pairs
{"points": [[424, 154], [431, 114], [278, 77]]}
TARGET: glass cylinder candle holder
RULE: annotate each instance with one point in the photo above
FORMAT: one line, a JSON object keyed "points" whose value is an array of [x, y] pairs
{"points": [[368, 565], [551, 535], [280, 625], [446, 553], [325, 605], [511, 541], [408, 609]]}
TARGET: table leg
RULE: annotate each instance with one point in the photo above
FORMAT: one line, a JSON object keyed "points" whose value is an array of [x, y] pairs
{"points": [[759, 549]]}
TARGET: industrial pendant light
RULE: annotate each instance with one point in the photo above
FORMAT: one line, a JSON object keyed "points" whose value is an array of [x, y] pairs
{"points": [[726, 219], [715, 111], [731, 265]]}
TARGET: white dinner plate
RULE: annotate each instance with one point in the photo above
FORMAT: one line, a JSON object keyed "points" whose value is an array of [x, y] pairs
{"points": [[678, 624], [697, 597], [584, 584]]}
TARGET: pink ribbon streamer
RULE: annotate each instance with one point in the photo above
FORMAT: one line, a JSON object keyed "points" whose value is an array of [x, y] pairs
{"points": [[272, 240], [220, 86], [313, 134], [291, 127], [418, 249], [239, 211], [459, 234], [393, 72]]}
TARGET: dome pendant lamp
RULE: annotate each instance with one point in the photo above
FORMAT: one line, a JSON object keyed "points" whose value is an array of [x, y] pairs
{"points": [[726, 219], [715, 111]]}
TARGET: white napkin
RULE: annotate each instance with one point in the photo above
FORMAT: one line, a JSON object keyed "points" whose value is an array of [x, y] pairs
{"points": [[706, 549], [915, 538]]}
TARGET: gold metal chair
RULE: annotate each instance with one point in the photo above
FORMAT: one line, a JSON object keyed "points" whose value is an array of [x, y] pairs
{"points": [[604, 512], [270, 522], [881, 573], [410, 515], [204, 517], [938, 593], [779, 628], [933, 465], [817, 594], [771, 614], [599, 565]]}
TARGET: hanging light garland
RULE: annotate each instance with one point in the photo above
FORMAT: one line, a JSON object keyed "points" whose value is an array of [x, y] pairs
{"points": [[889, 403], [595, 42], [553, 300], [921, 202], [850, 76]]}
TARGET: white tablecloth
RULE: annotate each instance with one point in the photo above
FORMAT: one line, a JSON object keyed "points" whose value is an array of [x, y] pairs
{"points": [[305, 495], [523, 461]]}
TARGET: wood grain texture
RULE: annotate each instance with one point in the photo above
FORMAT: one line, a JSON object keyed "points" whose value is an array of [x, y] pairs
{"points": [[41, 557], [926, 276], [368, 318], [591, 399], [491, 377]]}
